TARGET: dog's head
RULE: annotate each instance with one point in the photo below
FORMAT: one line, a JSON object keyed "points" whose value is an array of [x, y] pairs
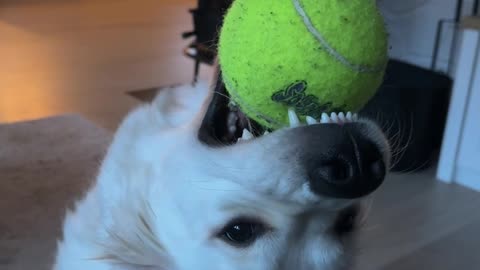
{"points": [[182, 192]]}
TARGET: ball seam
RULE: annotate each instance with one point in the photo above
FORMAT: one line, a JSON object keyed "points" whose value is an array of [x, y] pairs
{"points": [[328, 48]]}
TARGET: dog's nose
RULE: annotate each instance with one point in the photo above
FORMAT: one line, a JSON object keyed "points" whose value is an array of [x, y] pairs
{"points": [[345, 162]]}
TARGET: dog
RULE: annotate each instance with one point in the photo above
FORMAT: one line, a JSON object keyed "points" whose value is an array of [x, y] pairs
{"points": [[189, 183]]}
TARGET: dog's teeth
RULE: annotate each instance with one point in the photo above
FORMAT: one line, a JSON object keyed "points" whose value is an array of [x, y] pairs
{"points": [[232, 120], [355, 117], [232, 128], [325, 119], [311, 120], [349, 116], [246, 135], [292, 116], [341, 117], [334, 117]]}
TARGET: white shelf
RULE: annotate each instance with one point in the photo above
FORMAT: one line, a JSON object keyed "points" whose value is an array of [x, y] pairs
{"points": [[460, 153]]}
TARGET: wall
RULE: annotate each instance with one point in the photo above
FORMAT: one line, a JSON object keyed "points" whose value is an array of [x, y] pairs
{"points": [[412, 25]]}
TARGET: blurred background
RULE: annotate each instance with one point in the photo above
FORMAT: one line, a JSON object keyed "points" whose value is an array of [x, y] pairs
{"points": [[71, 69]]}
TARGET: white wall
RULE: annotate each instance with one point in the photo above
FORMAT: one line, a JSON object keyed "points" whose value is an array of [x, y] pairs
{"points": [[412, 26]]}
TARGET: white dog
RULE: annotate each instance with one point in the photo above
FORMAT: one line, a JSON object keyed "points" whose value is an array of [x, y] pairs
{"points": [[171, 194]]}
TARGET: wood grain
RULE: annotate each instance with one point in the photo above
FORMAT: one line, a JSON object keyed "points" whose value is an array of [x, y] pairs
{"points": [[83, 55]]}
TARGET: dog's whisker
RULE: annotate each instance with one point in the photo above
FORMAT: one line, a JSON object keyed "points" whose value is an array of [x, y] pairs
{"points": [[150, 208], [223, 95], [411, 169], [367, 210], [395, 139], [407, 143], [388, 129]]}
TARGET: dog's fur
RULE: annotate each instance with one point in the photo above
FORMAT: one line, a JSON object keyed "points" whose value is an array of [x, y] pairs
{"points": [[162, 196]]}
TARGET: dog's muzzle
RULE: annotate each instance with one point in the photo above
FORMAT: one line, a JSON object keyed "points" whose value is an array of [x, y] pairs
{"points": [[340, 161]]}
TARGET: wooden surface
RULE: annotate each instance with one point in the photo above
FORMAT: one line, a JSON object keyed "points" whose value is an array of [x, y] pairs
{"points": [[418, 223], [62, 56], [83, 56], [41, 174]]}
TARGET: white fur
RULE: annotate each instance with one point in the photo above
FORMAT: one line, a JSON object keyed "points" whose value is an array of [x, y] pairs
{"points": [[161, 195]]}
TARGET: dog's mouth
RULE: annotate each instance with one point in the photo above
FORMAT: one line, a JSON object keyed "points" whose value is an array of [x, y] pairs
{"points": [[225, 124]]}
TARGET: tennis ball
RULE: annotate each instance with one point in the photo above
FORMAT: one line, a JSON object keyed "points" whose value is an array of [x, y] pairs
{"points": [[313, 56]]}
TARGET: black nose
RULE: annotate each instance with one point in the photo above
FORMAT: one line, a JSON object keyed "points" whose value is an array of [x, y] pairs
{"points": [[343, 161]]}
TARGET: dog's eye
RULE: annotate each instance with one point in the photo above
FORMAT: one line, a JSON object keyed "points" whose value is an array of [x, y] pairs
{"points": [[242, 232]]}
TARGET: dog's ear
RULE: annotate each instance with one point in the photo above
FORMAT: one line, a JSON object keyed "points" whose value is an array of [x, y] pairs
{"points": [[213, 126], [178, 106]]}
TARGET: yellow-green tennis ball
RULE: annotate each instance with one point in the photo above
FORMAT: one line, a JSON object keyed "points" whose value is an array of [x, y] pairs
{"points": [[311, 55]]}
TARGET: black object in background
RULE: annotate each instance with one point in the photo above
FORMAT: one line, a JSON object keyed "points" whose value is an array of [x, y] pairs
{"points": [[412, 106], [207, 21]]}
